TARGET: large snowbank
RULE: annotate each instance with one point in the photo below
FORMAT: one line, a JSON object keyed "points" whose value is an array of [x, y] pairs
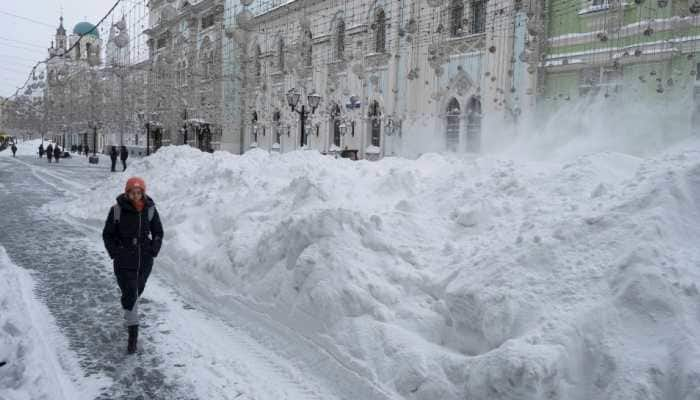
{"points": [[450, 277], [37, 362]]}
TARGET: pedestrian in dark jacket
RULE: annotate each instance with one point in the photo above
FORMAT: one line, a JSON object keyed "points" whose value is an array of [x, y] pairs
{"points": [[49, 152], [41, 150], [133, 236], [14, 149], [57, 153], [113, 156], [87, 150], [124, 154]]}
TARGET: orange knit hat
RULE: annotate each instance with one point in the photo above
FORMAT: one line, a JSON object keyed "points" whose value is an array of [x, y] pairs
{"points": [[135, 182]]}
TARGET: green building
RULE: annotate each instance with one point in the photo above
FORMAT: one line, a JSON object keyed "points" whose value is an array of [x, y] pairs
{"points": [[643, 51]]}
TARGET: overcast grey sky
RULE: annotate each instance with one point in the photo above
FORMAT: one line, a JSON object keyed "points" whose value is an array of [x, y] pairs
{"points": [[23, 43]]}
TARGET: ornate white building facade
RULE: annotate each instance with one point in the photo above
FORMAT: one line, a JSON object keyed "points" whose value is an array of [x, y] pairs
{"points": [[185, 76], [390, 77]]}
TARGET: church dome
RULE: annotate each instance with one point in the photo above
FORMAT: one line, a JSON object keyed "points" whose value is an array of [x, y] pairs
{"points": [[82, 28]]}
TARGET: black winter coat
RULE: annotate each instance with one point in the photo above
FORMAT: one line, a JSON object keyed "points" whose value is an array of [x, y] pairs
{"points": [[124, 153], [133, 242], [56, 152], [49, 151]]}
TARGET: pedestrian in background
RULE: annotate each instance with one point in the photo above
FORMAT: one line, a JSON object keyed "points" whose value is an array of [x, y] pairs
{"points": [[124, 155], [41, 150], [57, 153], [113, 156], [87, 150], [14, 149], [49, 152]]}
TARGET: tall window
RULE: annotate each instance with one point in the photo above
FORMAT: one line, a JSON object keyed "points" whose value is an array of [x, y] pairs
{"points": [[335, 117], [254, 123], [375, 123], [258, 64], [280, 54], [473, 125], [380, 31], [478, 16], [182, 73], [276, 122], [452, 126], [210, 66], [308, 59], [456, 17], [340, 40]]}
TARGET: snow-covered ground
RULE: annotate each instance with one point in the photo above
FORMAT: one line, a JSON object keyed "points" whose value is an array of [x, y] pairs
{"points": [[37, 362], [448, 277]]}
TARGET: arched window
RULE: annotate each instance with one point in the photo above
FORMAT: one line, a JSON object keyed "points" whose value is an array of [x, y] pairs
{"points": [[456, 17], [340, 40], [380, 31], [375, 123], [452, 125], [335, 118], [280, 54], [474, 125]]}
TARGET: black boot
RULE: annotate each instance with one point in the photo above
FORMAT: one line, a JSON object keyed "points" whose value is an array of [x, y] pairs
{"points": [[133, 337]]}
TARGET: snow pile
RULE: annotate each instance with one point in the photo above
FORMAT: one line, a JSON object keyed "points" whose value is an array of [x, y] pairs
{"points": [[37, 363], [450, 277], [26, 148]]}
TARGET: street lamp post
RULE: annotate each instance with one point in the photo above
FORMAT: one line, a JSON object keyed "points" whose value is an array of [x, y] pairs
{"points": [[313, 99], [93, 125]]}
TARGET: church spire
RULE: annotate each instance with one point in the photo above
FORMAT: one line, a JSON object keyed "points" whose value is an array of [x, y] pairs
{"points": [[61, 31]]}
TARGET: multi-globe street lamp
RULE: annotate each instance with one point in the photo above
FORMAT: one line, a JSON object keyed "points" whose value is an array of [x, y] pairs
{"points": [[313, 100]]}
